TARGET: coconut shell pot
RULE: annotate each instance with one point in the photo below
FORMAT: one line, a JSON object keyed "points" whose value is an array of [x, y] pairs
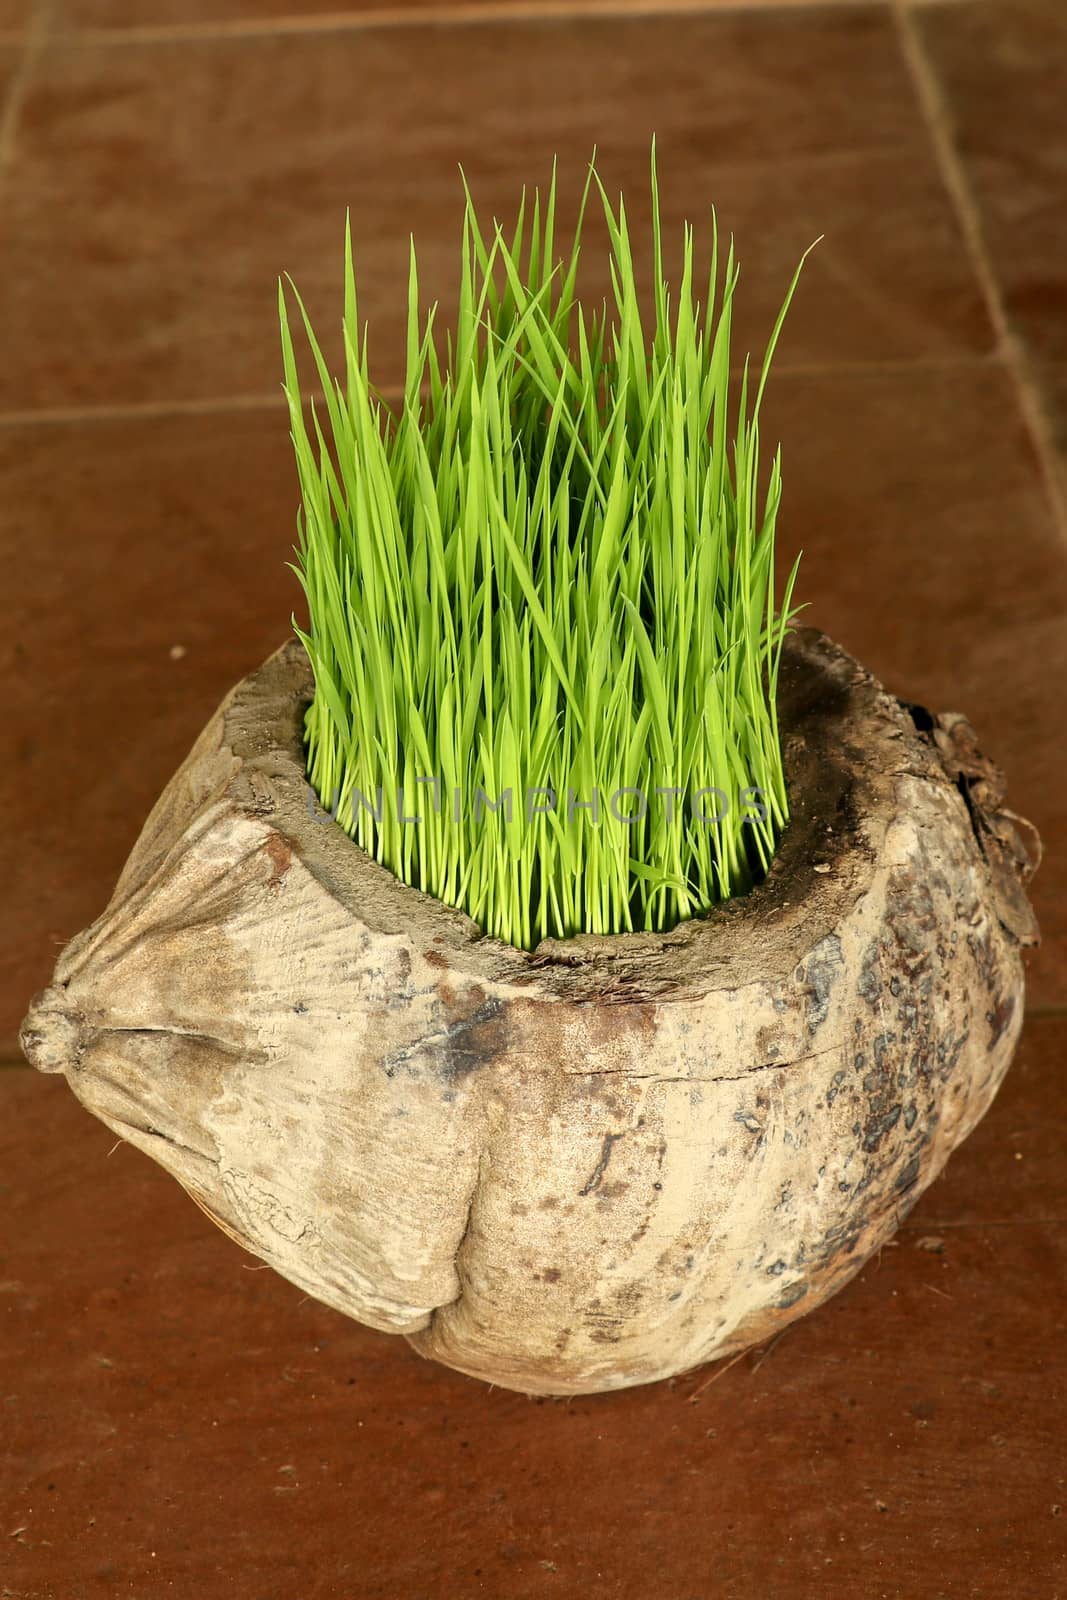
{"points": [[593, 1165]]}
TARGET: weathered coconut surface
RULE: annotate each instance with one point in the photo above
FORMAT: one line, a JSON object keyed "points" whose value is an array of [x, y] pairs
{"points": [[587, 1167]]}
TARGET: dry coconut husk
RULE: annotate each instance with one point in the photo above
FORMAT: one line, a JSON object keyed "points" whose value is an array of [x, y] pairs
{"points": [[591, 1166]]}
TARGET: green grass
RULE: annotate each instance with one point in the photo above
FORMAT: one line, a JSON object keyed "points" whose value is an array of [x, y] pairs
{"points": [[550, 568]]}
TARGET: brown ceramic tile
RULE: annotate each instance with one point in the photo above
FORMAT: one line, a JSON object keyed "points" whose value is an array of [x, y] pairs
{"points": [[15, 16], [178, 1420], [9, 55], [161, 188], [1002, 69], [928, 552]]}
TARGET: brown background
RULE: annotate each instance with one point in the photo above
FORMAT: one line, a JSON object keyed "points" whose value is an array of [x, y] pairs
{"points": [[175, 1420]]}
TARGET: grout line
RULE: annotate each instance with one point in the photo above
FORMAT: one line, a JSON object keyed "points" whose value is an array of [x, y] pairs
{"points": [[32, 42], [136, 410], [460, 12], [968, 216]]}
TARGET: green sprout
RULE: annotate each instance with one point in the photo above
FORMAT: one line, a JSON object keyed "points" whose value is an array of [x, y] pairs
{"points": [[541, 602]]}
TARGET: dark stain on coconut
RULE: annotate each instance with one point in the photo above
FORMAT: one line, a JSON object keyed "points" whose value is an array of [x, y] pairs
{"points": [[606, 1024], [768, 1044], [1000, 1018], [472, 1041], [607, 1333], [603, 1326], [948, 1055], [824, 966], [467, 1041], [882, 1048], [839, 1240], [592, 1183], [909, 1175], [280, 858]]}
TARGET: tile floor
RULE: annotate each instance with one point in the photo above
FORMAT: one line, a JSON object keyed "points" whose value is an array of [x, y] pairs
{"points": [[173, 1422]]}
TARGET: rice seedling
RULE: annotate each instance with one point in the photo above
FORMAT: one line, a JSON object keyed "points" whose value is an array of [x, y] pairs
{"points": [[541, 589]]}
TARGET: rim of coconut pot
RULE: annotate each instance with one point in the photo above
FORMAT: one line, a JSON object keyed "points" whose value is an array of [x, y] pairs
{"points": [[845, 742]]}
